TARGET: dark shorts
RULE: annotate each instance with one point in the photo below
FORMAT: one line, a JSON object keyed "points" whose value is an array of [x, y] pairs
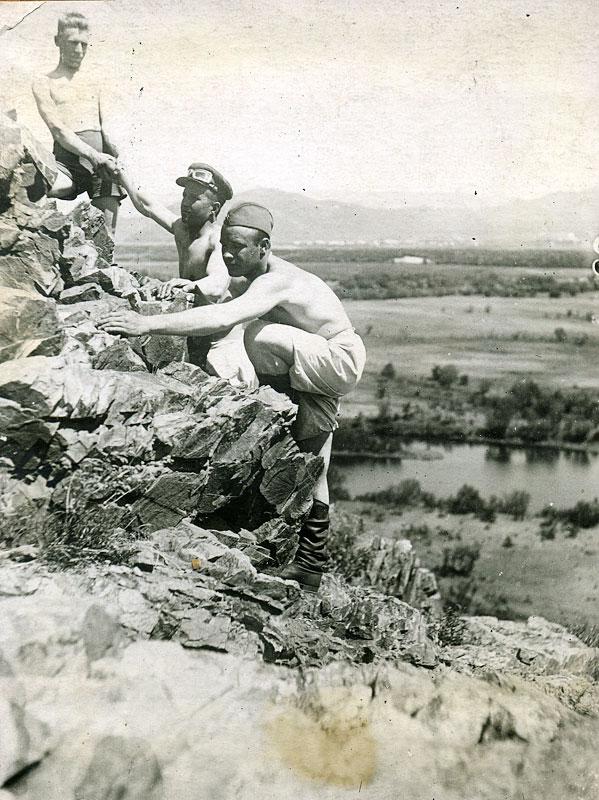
{"points": [[80, 171]]}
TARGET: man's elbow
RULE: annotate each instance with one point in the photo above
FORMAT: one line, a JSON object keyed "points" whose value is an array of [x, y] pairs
{"points": [[58, 132], [214, 292], [211, 296]]}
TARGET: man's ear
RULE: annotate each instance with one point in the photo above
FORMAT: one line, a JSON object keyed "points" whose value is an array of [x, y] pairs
{"points": [[264, 246], [216, 207]]}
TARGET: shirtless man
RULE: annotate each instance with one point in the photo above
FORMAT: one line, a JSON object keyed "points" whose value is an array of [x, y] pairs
{"points": [[202, 270], [69, 101], [298, 330]]}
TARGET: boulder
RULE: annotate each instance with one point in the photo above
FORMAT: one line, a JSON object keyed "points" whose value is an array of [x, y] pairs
{"points": [[534, 647], [119, 356], [32, 263], [160, 351], [29, 325], [27, 169], [80, 294]]}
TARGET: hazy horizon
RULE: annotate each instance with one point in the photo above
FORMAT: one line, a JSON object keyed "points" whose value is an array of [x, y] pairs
{"points": [[431, 99]]}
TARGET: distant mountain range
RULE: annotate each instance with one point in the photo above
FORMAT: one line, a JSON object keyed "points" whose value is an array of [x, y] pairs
{"points": [[560, 219]]}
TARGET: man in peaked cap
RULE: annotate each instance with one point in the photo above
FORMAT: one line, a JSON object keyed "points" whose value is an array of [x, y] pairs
{"points": [[298, 337], [201, 268]]}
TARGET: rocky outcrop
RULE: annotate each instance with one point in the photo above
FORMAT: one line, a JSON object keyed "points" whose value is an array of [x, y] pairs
{"points": [[148, 648], [142, 455], [97, 711]]}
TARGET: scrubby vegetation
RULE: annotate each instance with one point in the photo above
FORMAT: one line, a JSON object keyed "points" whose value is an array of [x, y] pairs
{"points": [[431, 282], [467, 500], [448, 408], [583, 515], [471, 256]]}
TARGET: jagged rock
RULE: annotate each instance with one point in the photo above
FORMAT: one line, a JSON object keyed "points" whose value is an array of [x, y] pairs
{"points": [[159, 351], [168, 500], [279, 537], [115, 280], [91, 222], [389, 566], [422, 591], [234, 568], [29, 325], [203, 629], [533, 647], [25, 436], [119, 356], [288, 478], [53, 387], [80, 258], [80, 294], [9, 233], [32, 263], [18, 497], [53, 223], [198, 544], [27, 169], [186, 373]]}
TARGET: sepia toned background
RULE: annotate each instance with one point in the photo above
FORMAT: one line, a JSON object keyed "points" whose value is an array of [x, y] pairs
{"points": [[396, 100]]}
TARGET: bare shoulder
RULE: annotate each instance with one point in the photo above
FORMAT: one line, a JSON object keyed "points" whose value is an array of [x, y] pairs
{"points": [[214, 235], [41, 83], [202, 246], [179, 230], [275, 280], [288, 272]]}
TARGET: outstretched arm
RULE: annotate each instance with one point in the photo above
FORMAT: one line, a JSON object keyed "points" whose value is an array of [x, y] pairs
{"points": [[144, 204], [61, 133], [262, 296], [213, 286]]}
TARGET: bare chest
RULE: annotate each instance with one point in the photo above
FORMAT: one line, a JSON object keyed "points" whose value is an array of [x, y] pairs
{"points": [[77, 102], [192, 269]]}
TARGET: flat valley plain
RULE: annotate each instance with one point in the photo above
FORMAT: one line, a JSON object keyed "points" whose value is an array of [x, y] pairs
{"points": [[500, 338]]}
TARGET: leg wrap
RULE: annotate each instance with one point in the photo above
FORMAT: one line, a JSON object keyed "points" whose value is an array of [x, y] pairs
{"points": [[312, 549]]}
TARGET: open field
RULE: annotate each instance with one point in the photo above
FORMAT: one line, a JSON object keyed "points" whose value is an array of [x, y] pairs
{"points": [[414, 334], [557, 579]]}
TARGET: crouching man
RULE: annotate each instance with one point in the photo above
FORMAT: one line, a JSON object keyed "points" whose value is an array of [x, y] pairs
{"points": [[298, 337]]}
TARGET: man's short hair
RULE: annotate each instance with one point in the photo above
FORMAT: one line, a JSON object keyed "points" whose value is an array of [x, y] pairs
{"points": [[72, 19]]}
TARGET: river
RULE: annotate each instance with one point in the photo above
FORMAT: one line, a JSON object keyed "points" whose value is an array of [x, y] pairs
{"points": [[549, 476]]}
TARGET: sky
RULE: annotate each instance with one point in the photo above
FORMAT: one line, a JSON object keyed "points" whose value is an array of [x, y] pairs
{"points": [[338, 97]]}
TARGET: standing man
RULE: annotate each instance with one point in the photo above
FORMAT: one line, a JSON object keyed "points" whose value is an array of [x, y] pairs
{"points": [[202, 270], [298, 331], [70, 103]]}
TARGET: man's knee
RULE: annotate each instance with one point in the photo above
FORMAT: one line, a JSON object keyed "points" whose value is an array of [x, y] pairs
{"points": [[314, 444], [262, 351]]}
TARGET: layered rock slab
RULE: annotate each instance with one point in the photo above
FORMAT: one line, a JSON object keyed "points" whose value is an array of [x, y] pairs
{"points": [[146, 716]]}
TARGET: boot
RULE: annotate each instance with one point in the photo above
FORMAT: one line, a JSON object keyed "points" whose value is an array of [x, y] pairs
{"points": [[311, 556]]}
